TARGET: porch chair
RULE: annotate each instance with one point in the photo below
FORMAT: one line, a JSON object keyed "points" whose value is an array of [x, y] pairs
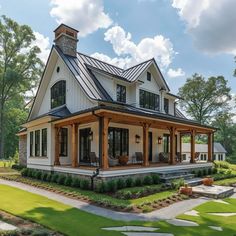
{"points": [[139, 157], [197, 155], [113, 161], [164, 157], [178, 157], [94, 160]]}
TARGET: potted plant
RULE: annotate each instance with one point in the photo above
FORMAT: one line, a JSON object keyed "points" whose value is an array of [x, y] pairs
{"points": [[208, 181], [186, 190], [123, 160]]}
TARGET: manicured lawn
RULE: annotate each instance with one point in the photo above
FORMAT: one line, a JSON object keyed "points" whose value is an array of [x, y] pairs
{"points": [[71, 221], [226, 181]]}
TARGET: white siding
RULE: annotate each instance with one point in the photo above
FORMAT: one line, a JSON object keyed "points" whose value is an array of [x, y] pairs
{"points": [[76, 99]]}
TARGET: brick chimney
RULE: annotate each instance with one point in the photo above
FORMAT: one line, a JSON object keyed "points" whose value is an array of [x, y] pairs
{"points": [[66, 39]]}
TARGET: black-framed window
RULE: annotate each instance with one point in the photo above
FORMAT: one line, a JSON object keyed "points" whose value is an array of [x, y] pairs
{"points": [[121, 93], [118, 141], [37, 143], [166, 143], [149, 100], [58, 94], [44, 142], [166, 105], [149, 76], [63, 142], [31, 143]]}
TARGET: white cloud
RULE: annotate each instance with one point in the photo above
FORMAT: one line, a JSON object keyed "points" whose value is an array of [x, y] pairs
{"points": [[128, 53], [44, 45], [210, 23], [85, 15], [175, 73]]}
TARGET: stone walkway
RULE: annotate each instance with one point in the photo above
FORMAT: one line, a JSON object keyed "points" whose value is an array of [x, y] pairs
{"points": [[166, 213]]}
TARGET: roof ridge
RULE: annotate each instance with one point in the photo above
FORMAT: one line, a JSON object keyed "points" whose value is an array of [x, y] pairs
{"points": [[138, 64], [101, 61]]}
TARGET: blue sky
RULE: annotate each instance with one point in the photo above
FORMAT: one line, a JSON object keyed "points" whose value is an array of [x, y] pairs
{"points": [[183, 37]]}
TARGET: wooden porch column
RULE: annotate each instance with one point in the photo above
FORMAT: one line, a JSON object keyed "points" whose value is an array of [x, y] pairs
{"points": [[74, 145], [210, 146], [145, 144], [57, 146], [193, 134], [172, 145], [104, 123], [180, 147]]}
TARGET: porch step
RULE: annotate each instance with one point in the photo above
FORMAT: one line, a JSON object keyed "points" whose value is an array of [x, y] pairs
{"points": [[194, 181], [170, 178]]}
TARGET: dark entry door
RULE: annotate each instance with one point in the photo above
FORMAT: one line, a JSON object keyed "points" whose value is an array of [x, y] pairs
{"points": [[150, 146], [84, 145]]}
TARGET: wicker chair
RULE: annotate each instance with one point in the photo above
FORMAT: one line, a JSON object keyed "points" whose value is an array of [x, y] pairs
{"points": [[94, 160], [164, 157], [113, 161], [139, 157]]}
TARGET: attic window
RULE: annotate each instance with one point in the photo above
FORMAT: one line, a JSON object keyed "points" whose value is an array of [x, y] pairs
{"points": [[58, 94], [149, 76], [58, 69]]}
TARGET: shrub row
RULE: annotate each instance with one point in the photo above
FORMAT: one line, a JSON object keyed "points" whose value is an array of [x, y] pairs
{"points": [[204, 172], [61, 179], [112, 186], [222, 164]]}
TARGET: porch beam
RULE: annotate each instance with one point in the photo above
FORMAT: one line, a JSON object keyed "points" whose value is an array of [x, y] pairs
{"points": [[172, 145], [193, 136], [57, 146], [145, 144], [74, 144], [103, 136], [210, 147]]}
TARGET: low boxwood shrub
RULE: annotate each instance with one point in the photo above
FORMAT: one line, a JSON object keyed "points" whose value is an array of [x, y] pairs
{"points": [[54, 178], [155, 178], [209, 172], [38, 175], [138, 181], [75, 182], [199, 173], [147, 180], [129, 182], [49, 177], [204, 172], [101, 187], [44, 176], [17, 167], [214, 170], [24, 172], [68, 180], [120, 184], [61, 179], [112, 186], [84, 184]]}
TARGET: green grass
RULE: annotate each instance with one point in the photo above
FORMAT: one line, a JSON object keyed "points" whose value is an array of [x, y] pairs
{"points": [[71, 221], [226, 181]]}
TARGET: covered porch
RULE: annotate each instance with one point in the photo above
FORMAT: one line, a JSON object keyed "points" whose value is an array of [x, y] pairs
{"points": [[114, 139]]}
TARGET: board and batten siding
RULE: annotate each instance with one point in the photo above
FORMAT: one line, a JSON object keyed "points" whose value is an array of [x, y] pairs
{"points": [[76, 99]]}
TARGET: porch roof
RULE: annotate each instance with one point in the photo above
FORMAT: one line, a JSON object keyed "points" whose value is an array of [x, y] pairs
{"points": [[117, 112]]}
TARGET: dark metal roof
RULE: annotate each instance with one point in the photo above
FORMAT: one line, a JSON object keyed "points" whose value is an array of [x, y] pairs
{"points": [[178, 113], [60, 112]]}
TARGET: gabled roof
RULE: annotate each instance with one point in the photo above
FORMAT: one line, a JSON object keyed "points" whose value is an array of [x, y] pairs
{"points": [[218, 148]]}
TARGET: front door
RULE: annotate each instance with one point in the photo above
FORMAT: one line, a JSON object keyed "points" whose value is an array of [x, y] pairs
{"points": [[84, 145], [150, 146]]}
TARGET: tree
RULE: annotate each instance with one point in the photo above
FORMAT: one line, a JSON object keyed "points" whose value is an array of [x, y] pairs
{"points": [[20, 67], [226, 132], [204, 98]]}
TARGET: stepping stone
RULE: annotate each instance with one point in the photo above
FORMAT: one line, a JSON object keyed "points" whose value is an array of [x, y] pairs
{"points": [[216, 228], [131, 228], [220, 201], [147, 234], [7, 227], [223, 214], [178, 222], [191, 213]]}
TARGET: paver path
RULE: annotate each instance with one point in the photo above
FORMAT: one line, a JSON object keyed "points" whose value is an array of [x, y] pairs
{"points": [[169, 212]]}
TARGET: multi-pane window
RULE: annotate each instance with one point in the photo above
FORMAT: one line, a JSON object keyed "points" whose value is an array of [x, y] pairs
{"points": [[149, 100], [118, 140], [37, 143], [31, 144], [44, 142], [166, 105], [58, 94], [121, 93], [166, 139], [63, 142], [149, 76]]}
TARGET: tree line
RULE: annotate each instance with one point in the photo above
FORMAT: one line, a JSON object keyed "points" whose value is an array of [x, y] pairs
{"points": [[206, 100]]}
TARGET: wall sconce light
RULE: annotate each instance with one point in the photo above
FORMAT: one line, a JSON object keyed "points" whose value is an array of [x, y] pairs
{"points": [[159, 140], [91, 136], [137, 138]]}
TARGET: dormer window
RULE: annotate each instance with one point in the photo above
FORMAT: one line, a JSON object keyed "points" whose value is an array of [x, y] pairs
{"points": [[58, 94], [121, 93], [149, 76]]}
